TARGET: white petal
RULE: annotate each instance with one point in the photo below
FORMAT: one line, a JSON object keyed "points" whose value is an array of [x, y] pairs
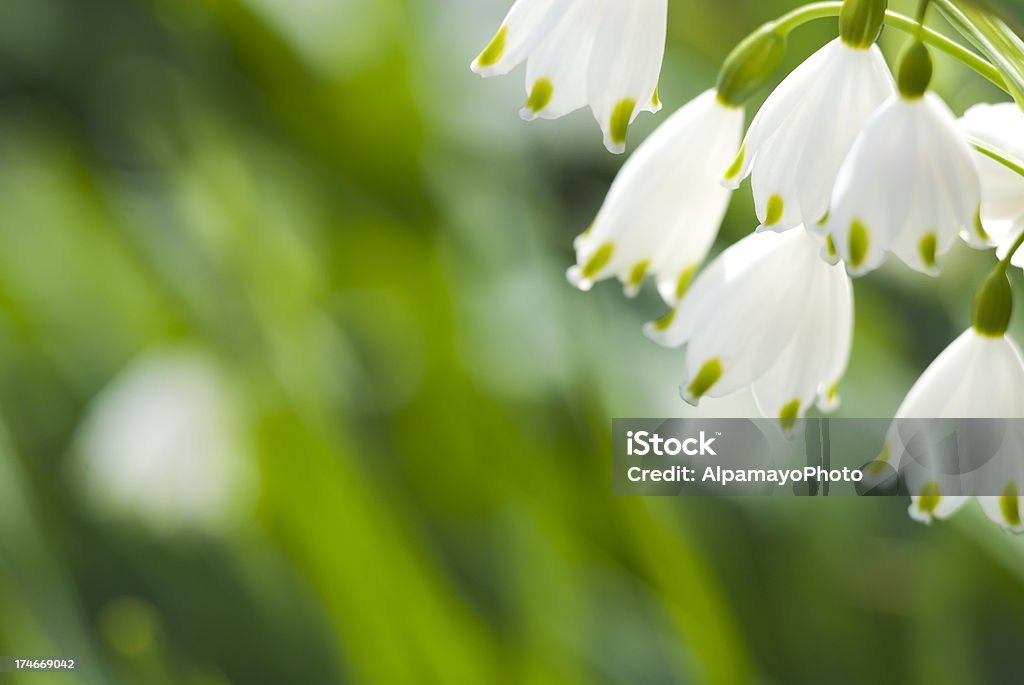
{"points": [[625, 65], [1002, 126], [795, 165], [665, 207], [525, 26], [755, 291], [932, 508], [816, 357], [1006, 510], [556, 73], [908, 185], [976, 376]]}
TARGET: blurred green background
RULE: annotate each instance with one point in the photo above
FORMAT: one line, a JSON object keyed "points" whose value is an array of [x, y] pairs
{"points": [[367, 245]]}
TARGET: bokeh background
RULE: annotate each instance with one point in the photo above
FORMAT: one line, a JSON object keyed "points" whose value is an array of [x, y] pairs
{"points": [[294, 389]]}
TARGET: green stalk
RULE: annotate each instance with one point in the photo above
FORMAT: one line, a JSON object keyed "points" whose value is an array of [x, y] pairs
{"points": [[822, 10]]}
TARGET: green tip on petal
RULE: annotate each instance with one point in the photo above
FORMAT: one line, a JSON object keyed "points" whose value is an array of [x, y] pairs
{"points": [[639, 273], [789, 414], [733, 172], [621, 117], [598, 261], [1009, 505], [927, 248], [664, 323], [655, 99], [824, 220], [830, 245], [859, 242], [709, 374], [881, 461], [493, 52], [684, 282], [540, 95], [929, 498], [776, 207]]}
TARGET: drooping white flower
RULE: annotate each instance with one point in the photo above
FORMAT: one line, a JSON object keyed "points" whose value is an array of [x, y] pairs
{"points": [[161, 445], [767, 313], [665, 207], [908, 186], [801, 135], [976, 377], [1002, 190], [603, 53]]}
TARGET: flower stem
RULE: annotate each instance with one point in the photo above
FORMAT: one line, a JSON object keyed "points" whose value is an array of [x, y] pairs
{"points": [[1004, 264], [997, 155], [822, 10]]}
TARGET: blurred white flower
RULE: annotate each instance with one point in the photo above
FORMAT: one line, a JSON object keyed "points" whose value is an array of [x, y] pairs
{"points": [[665, 207], [1002, 190], [908, 186], [161, 445], [603, 53], [801, 135], [977, 376], [767, 313]]}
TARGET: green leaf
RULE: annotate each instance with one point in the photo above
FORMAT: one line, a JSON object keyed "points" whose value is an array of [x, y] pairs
{"points": [[990, 34]]}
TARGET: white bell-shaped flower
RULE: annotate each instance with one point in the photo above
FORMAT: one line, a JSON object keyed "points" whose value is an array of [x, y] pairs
{"points": [[1002, 189], [665, 207], [977, 376], [805, 128], [908, 186], [767, 313], [603, 53]]}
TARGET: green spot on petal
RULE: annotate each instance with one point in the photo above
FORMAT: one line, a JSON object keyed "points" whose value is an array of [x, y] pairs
{"points": [[737, 166], [833, 393], [664, 323], [858, 243], [655, 100], [929, 498], [639, 273], [1009, 505], [598, 261], [824, 219], [776, 206], [709, 374], [684, 282], [881, 461], [540, 95], [789, 414], [927, 248], [493, 52], [621, 117], [830, 245]]}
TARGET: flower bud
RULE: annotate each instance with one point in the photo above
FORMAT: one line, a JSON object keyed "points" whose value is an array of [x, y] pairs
{"points": [[750, 66], [993, 305], [915, 71], [860, 22]]}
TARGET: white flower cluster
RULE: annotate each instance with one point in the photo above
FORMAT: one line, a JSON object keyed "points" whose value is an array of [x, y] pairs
{"points": [[848, 166], [603, 53]]}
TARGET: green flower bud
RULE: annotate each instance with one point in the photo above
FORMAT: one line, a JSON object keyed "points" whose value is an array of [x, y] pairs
{"points": [[751, 65], [915, 71], [860, 22], [993, 304]]}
